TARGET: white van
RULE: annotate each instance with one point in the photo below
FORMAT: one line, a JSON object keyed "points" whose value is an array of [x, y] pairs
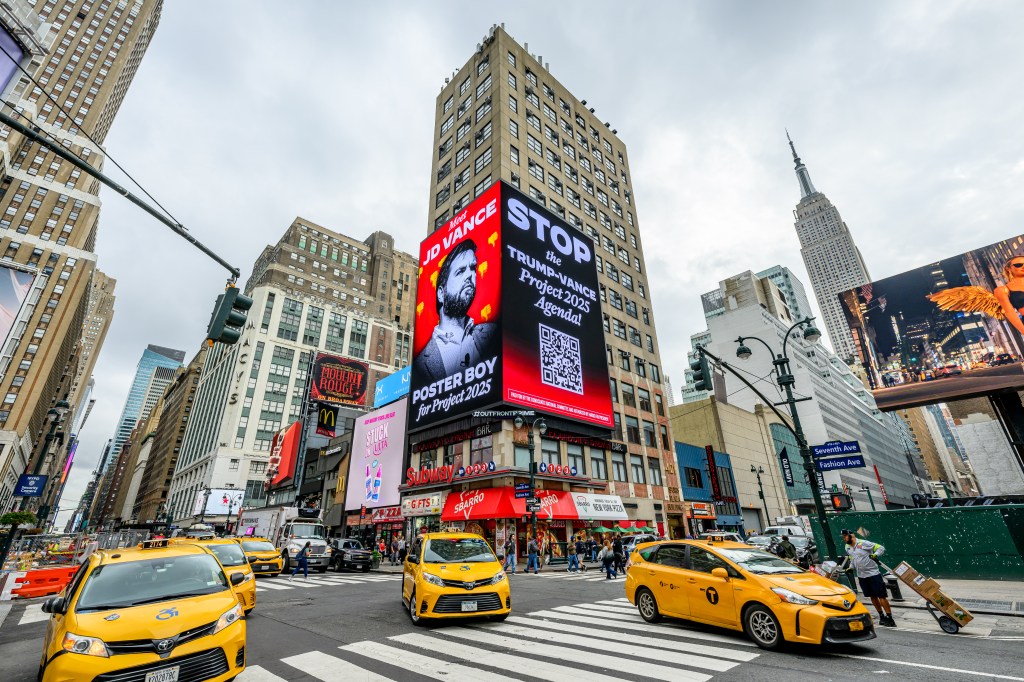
{"points": [[784, 530]]}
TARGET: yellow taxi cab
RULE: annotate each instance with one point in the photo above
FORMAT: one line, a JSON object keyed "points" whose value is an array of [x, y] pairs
{"points": [[234, 561], [737, 586], [454, 575], [161, 612], [264, 558]]}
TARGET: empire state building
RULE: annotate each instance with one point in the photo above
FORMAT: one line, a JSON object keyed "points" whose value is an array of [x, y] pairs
{"points": [[833, 260]]}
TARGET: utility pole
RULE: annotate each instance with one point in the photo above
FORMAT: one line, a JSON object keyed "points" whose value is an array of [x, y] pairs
{"points": [[757, 471], [871, 500]]}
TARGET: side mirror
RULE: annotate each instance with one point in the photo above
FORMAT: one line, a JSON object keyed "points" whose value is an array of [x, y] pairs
{"points": [[237, 578], [720, 573], [412, 558], [53, 605]]}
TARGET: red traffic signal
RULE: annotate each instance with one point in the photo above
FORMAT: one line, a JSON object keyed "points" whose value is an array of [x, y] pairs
{"points": [[841, 502]]}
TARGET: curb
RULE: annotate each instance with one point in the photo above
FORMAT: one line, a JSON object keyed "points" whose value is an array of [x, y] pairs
{"points": [[916, 607]]}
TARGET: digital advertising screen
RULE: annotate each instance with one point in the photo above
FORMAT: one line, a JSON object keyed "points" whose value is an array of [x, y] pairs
{"points": [[950, 329], [338, 380], [15, 286], [456, 365], [378, 452], [221, 501]]}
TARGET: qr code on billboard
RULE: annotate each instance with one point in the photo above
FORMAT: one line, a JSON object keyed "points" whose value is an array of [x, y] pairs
{"points": [[560, 363]]}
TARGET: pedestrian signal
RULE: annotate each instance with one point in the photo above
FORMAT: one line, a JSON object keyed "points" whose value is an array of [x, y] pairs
{"points": [[841, 502]]}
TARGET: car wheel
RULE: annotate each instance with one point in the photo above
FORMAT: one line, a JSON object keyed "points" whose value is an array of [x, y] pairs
{"points": [[647, 605], [414, 616], [762, 627]]}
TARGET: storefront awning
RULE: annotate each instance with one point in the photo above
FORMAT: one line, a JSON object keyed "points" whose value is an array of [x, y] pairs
{"points": [[501, 503]]}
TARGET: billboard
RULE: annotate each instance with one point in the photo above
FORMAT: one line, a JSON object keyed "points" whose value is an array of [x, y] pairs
{"points": [[283, 454], [378, 450], [338, 380], [30, 486], [508, 312], [950, 329], [326, 419], [392, 387], [14, 289], [222, 501]]}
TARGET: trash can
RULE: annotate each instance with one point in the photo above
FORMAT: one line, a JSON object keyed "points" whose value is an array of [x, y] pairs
{"points": [[893, 584]]}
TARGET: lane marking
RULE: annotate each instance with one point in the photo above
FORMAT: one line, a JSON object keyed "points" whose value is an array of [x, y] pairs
{"points": [[254, 673], [33, 613], [331, 668], [632, 623], [932, 667], [4, 610], [428, 666], [527, 665], [641, 668]]}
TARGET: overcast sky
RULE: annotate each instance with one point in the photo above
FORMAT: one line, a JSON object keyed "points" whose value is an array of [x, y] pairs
{"points": [[249, 113]]}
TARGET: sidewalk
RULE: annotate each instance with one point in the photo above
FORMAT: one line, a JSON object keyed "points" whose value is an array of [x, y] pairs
{"points": [[994, 597]]}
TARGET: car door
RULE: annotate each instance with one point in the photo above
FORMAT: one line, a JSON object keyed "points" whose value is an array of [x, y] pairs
{"points": [[664, 574], [711, 598], [410, 568]]}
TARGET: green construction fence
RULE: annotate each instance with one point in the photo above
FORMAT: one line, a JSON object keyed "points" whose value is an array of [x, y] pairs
{"points": [[970, 543]]}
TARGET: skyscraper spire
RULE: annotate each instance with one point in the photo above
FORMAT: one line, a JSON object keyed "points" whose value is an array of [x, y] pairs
{"points": [[803, 176]]}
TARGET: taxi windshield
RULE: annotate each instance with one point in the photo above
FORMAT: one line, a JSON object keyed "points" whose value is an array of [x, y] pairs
{"points": [[132, 583], [308, 530], [229, 555], [457, 551], [258, 546], [756, 561]]}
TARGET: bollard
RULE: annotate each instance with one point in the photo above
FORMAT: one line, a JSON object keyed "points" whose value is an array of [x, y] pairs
{"points": [[893, 583]]}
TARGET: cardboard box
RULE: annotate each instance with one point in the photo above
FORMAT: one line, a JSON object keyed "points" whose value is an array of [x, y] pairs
{"points": [[948, 606]]}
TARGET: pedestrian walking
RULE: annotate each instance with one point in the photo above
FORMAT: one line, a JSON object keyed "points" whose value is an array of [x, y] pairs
{"points": [[394, 551], [402, 550], [592, 546], [618, 555], [302, 562], [532, 550], [582, 552], [574, 558], [510, 556], [864, 557], [786, 549], [607, 558]]}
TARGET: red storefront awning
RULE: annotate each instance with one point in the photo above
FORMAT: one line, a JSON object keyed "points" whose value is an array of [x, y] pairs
{"points": [[554, 504], [486, 503]]}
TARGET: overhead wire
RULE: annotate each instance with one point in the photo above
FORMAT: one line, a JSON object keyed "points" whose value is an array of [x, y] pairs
{"points": [[83, 132]]}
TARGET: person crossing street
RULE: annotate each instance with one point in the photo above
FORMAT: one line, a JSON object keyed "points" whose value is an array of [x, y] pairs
{"points": [[532, 550], [864, 558]]}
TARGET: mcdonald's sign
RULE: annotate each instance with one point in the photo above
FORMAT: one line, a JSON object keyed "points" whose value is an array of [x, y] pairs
{"points": [[326, 419]]}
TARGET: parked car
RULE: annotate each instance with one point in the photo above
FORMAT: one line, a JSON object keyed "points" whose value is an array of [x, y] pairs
{"points": [[720, 535], [1002, 359], [629, 542], [806, 550], [349, 553]]}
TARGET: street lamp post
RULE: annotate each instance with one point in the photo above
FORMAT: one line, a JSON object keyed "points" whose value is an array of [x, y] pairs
{"points": [[54, 416], [871, 500], [784, 378], [757, 471], [542, 426], [231, 502], [206, 501]]}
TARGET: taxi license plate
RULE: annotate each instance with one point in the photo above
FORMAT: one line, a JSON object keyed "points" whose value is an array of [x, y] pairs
{"points": [[265, 568], [856, 626], [466, 606], [165, 675]]}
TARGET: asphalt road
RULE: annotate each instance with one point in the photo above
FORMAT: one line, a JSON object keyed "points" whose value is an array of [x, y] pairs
{"points": [[352, 627], [973, 382]]}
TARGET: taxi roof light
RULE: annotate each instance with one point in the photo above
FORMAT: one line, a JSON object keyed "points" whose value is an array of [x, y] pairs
{"points": [[154, 544]]}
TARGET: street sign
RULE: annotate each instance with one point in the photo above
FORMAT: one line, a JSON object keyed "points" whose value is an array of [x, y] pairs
{"points": [[531, 507], [523, 493], [787, 470], [30, 486], [522, 486], [532, 500], [835, 447], [832, 463]]}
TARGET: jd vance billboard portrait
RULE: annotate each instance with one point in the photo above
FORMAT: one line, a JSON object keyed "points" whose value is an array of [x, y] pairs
{"points": [[508, 312]]}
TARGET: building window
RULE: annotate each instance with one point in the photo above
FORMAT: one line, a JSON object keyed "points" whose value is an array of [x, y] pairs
{"points": [[452, 454], [694, 478], [645, 399], [522, 457], [660, 403], [576, 459], [480, 450], [549, 452], [314, 325], [268, 312], [664, 437], [619, 466], [632, 429], [654, 468], [614, 390], [336, 332], [598, 464], [650, 439], [636, 465], [628, 395], [291, 314], [357, 339]]}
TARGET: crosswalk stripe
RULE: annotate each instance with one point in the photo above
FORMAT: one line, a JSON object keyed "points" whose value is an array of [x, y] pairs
{"points": [[33, 613], [254, 673], [637, 624], [605, 608], [427, 666], [633, 667], [331, 668], [592, 642], [4, 610], [622, 606], [526, 665], [654, 642], [270, 585]]}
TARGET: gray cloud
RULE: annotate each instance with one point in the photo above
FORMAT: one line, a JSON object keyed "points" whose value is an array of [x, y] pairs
{"points": [[246, 114]]}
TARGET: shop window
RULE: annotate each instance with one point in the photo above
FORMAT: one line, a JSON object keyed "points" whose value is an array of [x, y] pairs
{"points": [[480, 450], [576, 459]]}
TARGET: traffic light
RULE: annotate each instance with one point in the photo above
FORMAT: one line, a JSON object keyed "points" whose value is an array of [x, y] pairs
{"points": [[841, 502], [701, 373], [228, 317]]}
